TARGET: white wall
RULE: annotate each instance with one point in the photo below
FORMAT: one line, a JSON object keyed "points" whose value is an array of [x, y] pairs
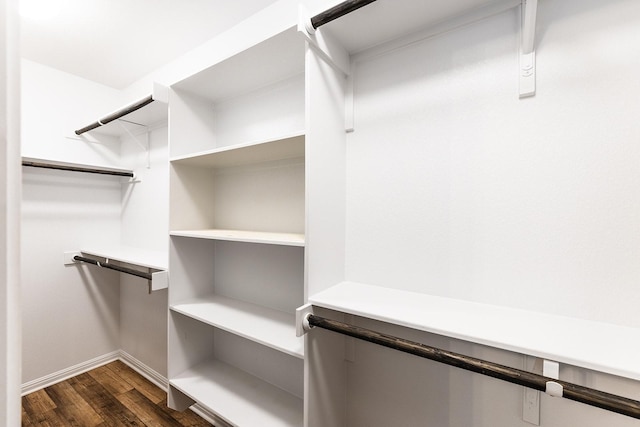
{"points": [[145, 224], [10, 325], [70, 314], [455, 187]]}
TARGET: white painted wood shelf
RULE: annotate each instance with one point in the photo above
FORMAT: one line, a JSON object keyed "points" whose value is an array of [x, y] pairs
{"points": [[272, 328], [285, 239], [157, 261], [44, 163], [598, 346], [286, 147], [238, 397], [153, 114]]}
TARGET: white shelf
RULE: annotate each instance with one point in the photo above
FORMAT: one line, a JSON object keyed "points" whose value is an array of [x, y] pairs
{"points": [[287, 147], [157, 260], [151, 114], [285, 239], [397, 18], [272, 328], [272, 60], [238, 397], [77, 167], [593, 345]]}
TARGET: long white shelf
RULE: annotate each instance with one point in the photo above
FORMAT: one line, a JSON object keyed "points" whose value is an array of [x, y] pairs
{"points": [[238, 397], [272, 328], [286, 147], [157, 260], [588, 344], [286, 239]]}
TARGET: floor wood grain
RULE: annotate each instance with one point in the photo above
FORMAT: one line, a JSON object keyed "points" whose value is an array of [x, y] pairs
{"points": [[111, 395]]}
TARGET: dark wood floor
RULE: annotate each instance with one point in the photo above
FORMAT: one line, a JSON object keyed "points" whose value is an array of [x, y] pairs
{"points": [[111, 395]]}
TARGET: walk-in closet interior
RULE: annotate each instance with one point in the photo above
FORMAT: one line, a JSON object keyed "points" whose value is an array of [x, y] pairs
{"points": [[346, 214]]}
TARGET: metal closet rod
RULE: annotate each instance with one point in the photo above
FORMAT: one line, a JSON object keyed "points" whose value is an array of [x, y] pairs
{"points": [[76, 168], [338, 11], [113, 267], [578, 393], [116, 115]]}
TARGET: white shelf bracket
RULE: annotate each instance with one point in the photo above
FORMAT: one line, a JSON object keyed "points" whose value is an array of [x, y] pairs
{"points": [[327, 49], [146, 147], [527, 71]]}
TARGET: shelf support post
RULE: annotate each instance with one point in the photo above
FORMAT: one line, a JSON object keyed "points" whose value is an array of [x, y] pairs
{"points": [[527, 71]]}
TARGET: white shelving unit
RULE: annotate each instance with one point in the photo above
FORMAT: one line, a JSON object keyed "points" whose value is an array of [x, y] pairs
{"points": [[237, 219]]}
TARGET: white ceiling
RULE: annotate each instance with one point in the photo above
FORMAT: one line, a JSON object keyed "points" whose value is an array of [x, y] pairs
{"points": [[116, 42]]}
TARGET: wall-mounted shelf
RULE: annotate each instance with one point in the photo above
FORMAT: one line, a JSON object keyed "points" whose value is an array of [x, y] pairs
{"points": [[144, 112], [593, 345], [155, 261], [76, 167]]}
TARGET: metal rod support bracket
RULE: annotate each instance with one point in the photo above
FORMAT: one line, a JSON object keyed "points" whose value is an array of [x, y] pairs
{"points": [[330, 51], [527, 71], [302, 319]]}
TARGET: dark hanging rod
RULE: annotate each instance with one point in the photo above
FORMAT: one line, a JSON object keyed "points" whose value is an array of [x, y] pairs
{"points": [[113, 267], [116, 115], [578, 393], [337, 11], [36, 164]]}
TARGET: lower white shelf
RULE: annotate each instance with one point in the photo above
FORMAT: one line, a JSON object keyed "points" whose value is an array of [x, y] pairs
{"points": [[599, 346], [286, 239], [273, 328], [238, 397]]}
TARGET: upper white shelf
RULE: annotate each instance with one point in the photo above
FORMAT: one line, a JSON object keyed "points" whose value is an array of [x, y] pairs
{"points": [[270, 61], [268, 238], [288, 147], [385, 20], [593, 345], [131, 118]]}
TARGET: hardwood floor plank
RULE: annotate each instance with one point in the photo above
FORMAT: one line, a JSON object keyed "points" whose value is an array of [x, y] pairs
{"points": [[37, 402], [103, 402], [137, 381], [110, 380], [71, 407], [186, 418], [146, 410], [113, 395]]}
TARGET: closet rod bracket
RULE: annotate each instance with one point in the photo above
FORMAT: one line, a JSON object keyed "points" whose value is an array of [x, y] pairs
{"points": [[527, 71], [302, 319], [327, 48]]}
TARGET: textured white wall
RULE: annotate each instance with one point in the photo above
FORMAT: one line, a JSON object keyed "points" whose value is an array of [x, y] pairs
{"points": [[455, 187], [70, 314], [458, 188], [145, 224]]}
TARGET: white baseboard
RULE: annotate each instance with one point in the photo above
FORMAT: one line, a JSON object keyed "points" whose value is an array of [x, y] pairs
{"points": [[144, 370], [67, 373], [135, 364]]}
